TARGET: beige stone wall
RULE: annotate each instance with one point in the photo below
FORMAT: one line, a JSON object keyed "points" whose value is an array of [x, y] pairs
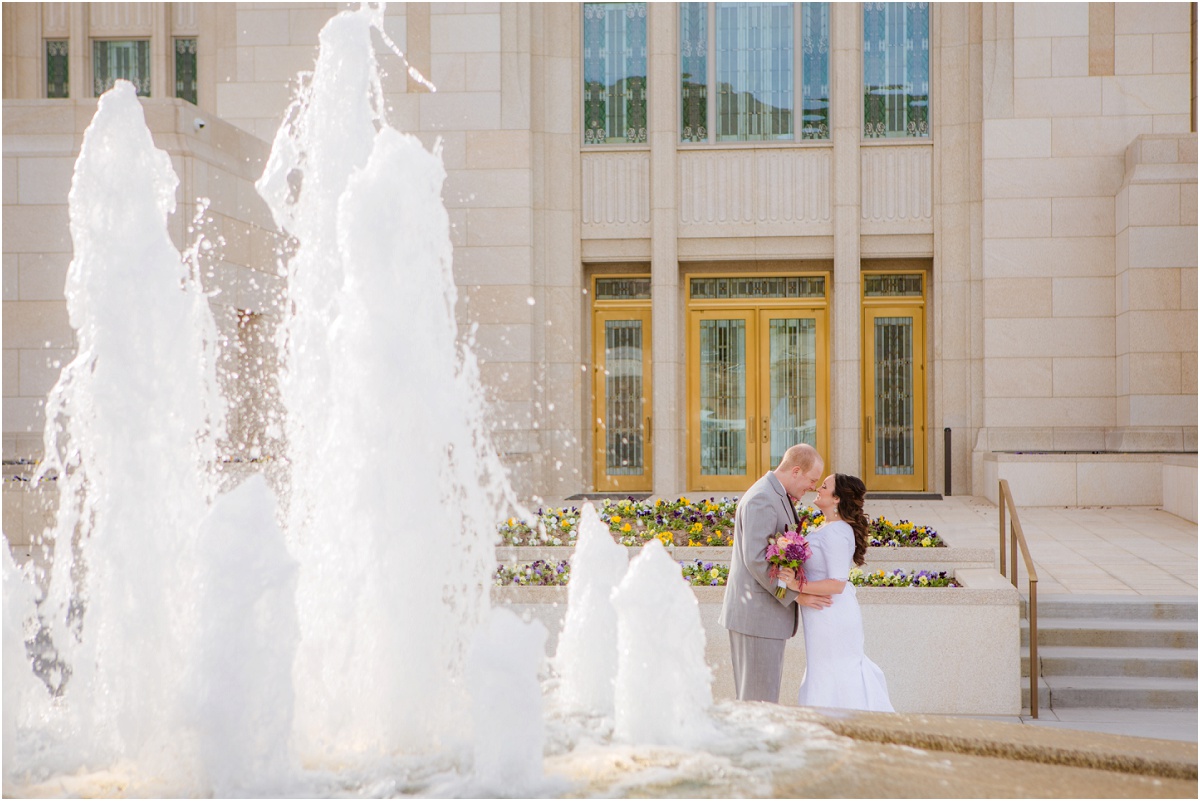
{"points": [[1072, 86], [1061, 300]]}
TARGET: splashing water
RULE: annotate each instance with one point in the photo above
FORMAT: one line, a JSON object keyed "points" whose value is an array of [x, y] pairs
{"points": [[131, 427], [587, 649], [395, 489], [663, 687], [509, 729], [201, 648]]}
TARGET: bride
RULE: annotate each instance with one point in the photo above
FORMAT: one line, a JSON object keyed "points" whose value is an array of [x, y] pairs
{"points": [[838, 674]]}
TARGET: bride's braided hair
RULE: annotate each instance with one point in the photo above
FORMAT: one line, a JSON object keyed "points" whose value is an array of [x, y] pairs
{"points": [[851, 493]]}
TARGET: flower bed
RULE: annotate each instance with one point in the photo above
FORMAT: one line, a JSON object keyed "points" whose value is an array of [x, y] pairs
{"points": [[699, 573], [898, 578], [683, 522]]}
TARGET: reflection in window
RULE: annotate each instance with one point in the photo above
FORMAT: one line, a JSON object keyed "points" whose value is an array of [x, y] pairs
{"points": [[614, 73], [759, 67], [793, 384], [57, 75], [693, 70], [814, 46], [129, 60], [895, 69], [755, 64]]}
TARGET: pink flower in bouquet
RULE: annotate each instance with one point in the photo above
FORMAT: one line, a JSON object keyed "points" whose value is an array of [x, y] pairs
{"points": [[791, 550]]}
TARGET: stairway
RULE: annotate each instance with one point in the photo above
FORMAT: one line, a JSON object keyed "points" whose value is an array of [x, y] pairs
{"points": [[1128, 652]]}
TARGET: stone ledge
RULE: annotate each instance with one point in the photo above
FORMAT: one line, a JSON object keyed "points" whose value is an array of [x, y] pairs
{"points": [[1064, 747]]}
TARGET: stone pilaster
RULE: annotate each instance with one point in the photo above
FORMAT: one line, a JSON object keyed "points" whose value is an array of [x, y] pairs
{"points": [[844, 453], [669, 384]]}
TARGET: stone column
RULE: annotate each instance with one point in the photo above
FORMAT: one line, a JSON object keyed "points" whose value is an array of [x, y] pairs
{"points": [[844, 453], [997, 99], [957, 247], [556, 250], [668, 412]]}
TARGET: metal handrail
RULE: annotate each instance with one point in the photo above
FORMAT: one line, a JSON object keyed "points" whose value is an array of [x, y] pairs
{"points": [[1017, 537]]}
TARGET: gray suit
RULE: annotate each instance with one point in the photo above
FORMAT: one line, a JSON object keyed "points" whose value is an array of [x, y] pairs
{"points": [[759, 623]]}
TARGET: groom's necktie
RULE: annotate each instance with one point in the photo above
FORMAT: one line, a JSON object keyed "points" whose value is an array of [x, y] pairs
{"points": [[792, 508]]}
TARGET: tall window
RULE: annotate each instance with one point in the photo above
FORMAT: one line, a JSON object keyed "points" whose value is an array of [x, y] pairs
{"points": [[693, 71], [614, 73], [185, 69], [757, 65], [895, 69], [814, 46], [754, 72], [113, 60], [57, 75]]}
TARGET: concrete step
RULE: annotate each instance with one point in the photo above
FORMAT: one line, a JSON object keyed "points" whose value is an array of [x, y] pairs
{"points": [[1043, 694], [1114, 607], [1063, 692], [1108, 633], [1066, 660]]}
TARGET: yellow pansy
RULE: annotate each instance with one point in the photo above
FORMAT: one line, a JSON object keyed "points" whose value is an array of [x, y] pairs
{"points": [[626, 528], [616, 518]]}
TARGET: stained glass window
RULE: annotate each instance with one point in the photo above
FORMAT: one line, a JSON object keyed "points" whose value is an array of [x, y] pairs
{"points": [[614, 73], [623, 288], [723, 397], [793, 417], [768, 287], [693, 70], [57, 76], [894, 388], [895, 69], [893, 286], [758, 68], [113, 60], [185, 69], [625, 448], [814, 48], [755, 66]]}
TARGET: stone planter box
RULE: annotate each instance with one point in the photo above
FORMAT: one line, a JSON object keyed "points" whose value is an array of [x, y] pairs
{"points": [[953, 650]]}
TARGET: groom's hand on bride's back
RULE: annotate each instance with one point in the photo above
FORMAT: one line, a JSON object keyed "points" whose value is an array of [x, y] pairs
{"points": [[814, 601]]}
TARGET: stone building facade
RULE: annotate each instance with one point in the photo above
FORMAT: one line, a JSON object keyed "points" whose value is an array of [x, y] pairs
{"points": [[946, 243]]}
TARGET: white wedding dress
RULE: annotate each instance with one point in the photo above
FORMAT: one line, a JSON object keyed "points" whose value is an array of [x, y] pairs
{"points": [[838, 674]]}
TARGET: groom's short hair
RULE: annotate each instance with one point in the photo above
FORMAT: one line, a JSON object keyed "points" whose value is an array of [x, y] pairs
{"points": [[803, 456]]}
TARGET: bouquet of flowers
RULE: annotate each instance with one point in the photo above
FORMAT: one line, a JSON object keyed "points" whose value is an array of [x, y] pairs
{"points": [[789, 549]]}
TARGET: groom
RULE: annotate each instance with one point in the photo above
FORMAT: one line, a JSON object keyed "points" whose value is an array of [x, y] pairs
{"points": [[759, 623]]}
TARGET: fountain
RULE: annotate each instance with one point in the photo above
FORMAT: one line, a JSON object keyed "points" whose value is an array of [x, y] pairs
{"points": [[333, 635]]}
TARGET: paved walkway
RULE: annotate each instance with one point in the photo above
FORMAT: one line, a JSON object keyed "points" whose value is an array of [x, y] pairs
{"points": [[1096, 550]]}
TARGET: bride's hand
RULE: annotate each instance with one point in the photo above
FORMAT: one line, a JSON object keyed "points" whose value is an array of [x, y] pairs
{"points": [[788, 577], [814, 601]]}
